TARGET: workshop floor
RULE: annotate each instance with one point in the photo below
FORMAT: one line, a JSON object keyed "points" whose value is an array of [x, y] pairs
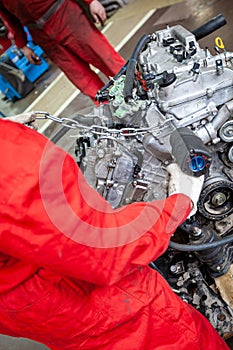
{"points": [[55, 94]]}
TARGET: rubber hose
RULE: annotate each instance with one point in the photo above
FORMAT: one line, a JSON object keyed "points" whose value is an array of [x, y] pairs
{"points": [[199, 247], [130, 71], [209, 27], [111, 81]]}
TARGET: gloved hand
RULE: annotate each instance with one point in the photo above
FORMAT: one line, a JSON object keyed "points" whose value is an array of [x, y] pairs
{"points": [[25, 118], [179, 182]]}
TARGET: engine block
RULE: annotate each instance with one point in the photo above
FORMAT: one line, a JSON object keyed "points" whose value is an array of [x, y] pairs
{"points": [[171, 85]]}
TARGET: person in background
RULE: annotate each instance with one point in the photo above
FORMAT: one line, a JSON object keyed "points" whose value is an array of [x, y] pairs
{"points": [[74, 272], [5, 41], [67, 35]]}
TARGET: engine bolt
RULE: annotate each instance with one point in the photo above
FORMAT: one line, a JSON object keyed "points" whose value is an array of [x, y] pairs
{"points": [[196, 232], [221, 317], [173, 268], [219, 199]]}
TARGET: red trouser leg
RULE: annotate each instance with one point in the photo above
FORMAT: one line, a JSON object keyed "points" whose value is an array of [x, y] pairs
{"points": [[84, 40], [72, 42], [78, 71]]}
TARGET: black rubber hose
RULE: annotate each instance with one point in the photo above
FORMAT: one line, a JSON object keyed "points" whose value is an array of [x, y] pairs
{"points": [[130, 70], [209, 27], [199, 247], [111, 81]]}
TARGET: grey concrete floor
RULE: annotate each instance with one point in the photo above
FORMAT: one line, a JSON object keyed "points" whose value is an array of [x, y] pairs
{"points": [[191, 14], [9, 343]]}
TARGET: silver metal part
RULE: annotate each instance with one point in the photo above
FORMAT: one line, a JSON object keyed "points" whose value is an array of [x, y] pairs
{"points": [[124, 156]]}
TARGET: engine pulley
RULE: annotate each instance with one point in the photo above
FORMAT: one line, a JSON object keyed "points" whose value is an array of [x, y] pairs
{"points": [[216, 200], [226, 131]]}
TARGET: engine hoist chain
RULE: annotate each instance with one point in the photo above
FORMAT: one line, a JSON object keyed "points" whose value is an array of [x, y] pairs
{"points": [[99, 129]]}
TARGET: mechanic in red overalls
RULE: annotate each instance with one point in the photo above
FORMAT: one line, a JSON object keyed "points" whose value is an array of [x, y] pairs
{"points": [[74, 272], [67, 36]]}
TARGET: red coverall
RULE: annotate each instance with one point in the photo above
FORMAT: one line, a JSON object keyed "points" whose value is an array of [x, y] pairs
{"points": [[69, 39], [92, 289]]}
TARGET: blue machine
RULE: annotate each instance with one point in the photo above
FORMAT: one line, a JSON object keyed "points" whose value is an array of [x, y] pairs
{"points": [[15, 60], [8, 90], [31, 71]]}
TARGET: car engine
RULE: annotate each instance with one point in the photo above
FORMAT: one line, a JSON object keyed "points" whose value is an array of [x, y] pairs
{"points": [[172, 101]]}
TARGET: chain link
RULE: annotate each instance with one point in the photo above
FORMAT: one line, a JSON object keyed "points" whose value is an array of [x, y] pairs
{"points": [[46, 115], [99, 129]]}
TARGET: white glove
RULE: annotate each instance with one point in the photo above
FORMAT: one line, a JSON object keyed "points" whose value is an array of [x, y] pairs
{"points": [[25, 118], [179, 182]]}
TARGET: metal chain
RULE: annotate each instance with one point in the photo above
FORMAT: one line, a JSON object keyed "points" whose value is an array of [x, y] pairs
{"points": [[99, 129], [46, 115]]}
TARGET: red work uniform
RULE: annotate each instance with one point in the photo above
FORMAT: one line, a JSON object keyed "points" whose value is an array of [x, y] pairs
{"points": [[68, 37], [74, 272]]}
